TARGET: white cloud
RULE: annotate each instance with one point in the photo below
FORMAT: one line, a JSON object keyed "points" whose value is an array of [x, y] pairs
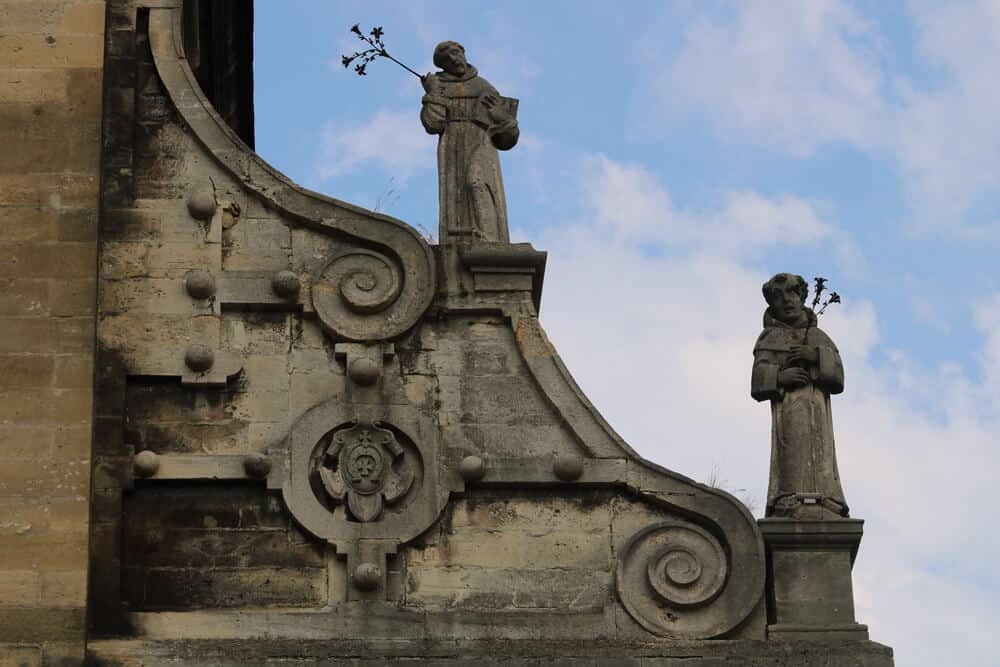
{"points": [[792, 74], [663, 348], [797, 76], [629, 201], [948, 142], [393, 140]]}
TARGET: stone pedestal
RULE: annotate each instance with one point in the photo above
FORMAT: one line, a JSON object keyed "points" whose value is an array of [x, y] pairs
{"points": [[810, 595]]}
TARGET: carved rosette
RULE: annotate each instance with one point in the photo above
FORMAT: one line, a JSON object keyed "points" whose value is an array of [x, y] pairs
{"points": [[668, 575], [365, 467]]}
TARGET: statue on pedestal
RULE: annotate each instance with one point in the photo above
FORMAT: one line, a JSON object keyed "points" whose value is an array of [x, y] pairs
{"points": [[797, 367], [474, 121]]}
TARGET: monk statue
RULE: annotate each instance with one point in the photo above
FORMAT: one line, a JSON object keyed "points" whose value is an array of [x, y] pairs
{"points": [[474, 122], [797, 367]]}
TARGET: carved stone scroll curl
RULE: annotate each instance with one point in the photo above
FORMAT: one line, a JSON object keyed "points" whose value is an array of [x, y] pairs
{"points": [[351, 288], [375, 294], [668, 576]]}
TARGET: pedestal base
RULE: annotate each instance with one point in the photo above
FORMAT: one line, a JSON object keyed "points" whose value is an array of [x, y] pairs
{"points": [[810, 595]]}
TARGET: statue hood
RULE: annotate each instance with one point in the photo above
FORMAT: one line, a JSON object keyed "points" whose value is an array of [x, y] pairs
{"points": [[470, 73], [807, 319]]}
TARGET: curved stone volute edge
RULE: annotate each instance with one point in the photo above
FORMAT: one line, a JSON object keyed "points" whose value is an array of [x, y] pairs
{"points": [[716, 510], [410, 254]]}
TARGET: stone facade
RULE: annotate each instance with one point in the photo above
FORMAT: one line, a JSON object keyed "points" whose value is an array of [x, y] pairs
{"points": [[318, 438], [51, 61]]}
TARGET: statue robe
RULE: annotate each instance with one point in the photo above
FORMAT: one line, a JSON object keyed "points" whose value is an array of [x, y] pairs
{"points": [[470, 185], [803, 459]]}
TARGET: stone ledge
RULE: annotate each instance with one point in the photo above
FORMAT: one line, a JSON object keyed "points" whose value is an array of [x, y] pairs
{"points": [[494, 652], [807, 535]]}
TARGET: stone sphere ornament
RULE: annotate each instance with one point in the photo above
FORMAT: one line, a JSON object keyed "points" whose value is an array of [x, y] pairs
{"points": [[256, 465], [202, 205], [472, 469], [286, 284], [199, 284], [364, 371], [199, 358], [146, 463], [366, 576], [567, 467]]}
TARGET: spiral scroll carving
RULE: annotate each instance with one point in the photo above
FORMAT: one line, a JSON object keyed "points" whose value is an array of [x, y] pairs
{"points": [[352, 288], [668, 576]]}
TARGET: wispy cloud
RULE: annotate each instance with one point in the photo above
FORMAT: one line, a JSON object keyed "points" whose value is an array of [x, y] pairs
{"points": [[392, 140], [794, 75], [629, 201], [799, 76]]}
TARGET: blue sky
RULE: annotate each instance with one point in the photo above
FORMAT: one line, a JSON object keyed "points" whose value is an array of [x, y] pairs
{"points": [[672, 157]]}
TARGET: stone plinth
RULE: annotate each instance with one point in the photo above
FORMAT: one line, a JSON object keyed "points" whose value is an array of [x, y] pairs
{"points": [[809, 570]]}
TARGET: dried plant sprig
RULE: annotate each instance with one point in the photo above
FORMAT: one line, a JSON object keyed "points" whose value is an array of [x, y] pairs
{"points": [[833, 298], [820, 286], [819, 307], [376, 49]]}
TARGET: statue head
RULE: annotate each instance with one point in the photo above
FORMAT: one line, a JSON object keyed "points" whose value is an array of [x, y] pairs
{"points": [[786, 294], [450, 56]]}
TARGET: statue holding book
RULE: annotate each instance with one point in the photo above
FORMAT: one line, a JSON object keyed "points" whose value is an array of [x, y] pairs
{"points": [[474, 122]]}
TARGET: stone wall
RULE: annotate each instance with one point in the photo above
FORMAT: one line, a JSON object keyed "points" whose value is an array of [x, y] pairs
{"points": [[51, 64]]}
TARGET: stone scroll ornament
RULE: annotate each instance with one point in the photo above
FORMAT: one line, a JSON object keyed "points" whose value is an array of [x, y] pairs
{"points": [[797, 368], [350, 288], [474, 121], [668, 575], [365, 467]]}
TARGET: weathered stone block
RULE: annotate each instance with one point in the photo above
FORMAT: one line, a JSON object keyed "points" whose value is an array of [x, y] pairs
{"points": [[32, 625], [20, 370], [73, 297], [257, 333], [56, 260], [30, 442], [123, 260], [27, 224], [64, 589], [20, 588], [518, 549], [242, 587], [55, 190], [28, 406], [480, 588]]}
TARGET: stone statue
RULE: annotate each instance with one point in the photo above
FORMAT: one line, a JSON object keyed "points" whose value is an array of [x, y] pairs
{"points": [[474, 122], [796, 367]]}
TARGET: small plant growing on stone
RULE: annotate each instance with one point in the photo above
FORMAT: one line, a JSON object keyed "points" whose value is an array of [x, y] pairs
{"points": [[376, 49]]}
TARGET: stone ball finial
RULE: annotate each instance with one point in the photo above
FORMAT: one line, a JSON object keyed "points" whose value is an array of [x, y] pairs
{"points": [[364, 371], [146, 463], [472, 468], [199, 358], [199, 284], [366, 576], [257, 465], [286, 284], [202, 205], [567, 467]]}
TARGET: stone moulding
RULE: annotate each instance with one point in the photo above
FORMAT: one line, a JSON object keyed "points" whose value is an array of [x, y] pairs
{"points": [[391, 245]]}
